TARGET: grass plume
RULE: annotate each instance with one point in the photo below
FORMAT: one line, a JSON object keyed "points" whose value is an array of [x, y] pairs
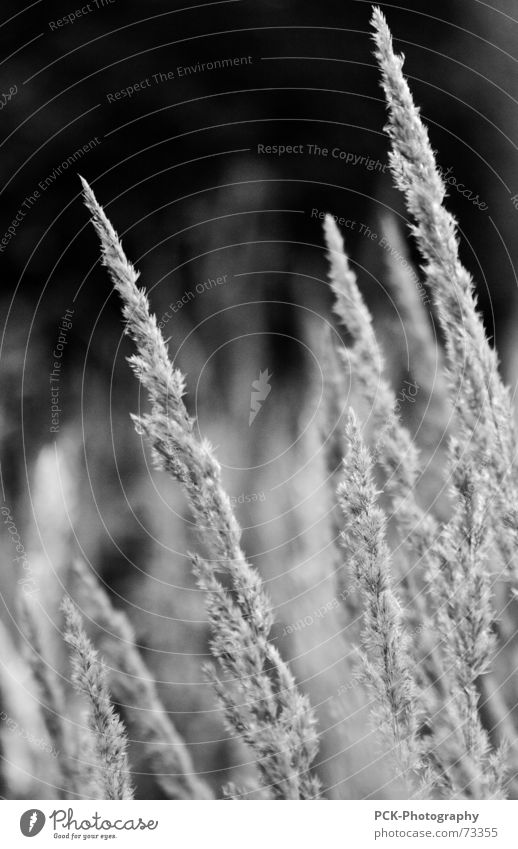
{"points": [[165, 753], [394, 448], [386, 661], [109, 735], [278, 722], [481, 402], [428, 593]]}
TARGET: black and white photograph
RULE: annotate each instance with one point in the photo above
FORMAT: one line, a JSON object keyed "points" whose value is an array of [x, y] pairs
{"points": [[259, 422]]}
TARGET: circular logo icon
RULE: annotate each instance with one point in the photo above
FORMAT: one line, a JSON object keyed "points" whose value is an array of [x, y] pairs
{"points": [[31, 822]]}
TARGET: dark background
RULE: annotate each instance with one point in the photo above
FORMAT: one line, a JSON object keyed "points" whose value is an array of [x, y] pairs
{"points": [[168, 155]]}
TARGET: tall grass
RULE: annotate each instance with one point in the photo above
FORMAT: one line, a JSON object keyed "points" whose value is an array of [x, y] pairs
{"points": [[429, 695], [108, 733], [482, 404], [386, 662], [259, 696], [166, 755]]}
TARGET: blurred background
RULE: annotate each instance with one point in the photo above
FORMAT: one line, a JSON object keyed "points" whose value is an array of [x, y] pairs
{"points": [[178, 116]]}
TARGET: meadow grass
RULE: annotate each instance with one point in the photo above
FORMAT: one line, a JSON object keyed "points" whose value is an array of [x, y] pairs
{"points": [[404, 563]]}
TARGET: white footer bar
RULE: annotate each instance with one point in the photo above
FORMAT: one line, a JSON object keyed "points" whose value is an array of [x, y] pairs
{"points": [[256, 825]]}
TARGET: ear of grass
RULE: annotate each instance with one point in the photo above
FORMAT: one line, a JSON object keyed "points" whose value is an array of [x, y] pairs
{"points": [[336, 402], [425, 360], [395, 450], [461, 590], [259, 695], [289, 720], [132, 687], [89, 679], [460, 574], [335, 405], [482, 403], [386, 662]]}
